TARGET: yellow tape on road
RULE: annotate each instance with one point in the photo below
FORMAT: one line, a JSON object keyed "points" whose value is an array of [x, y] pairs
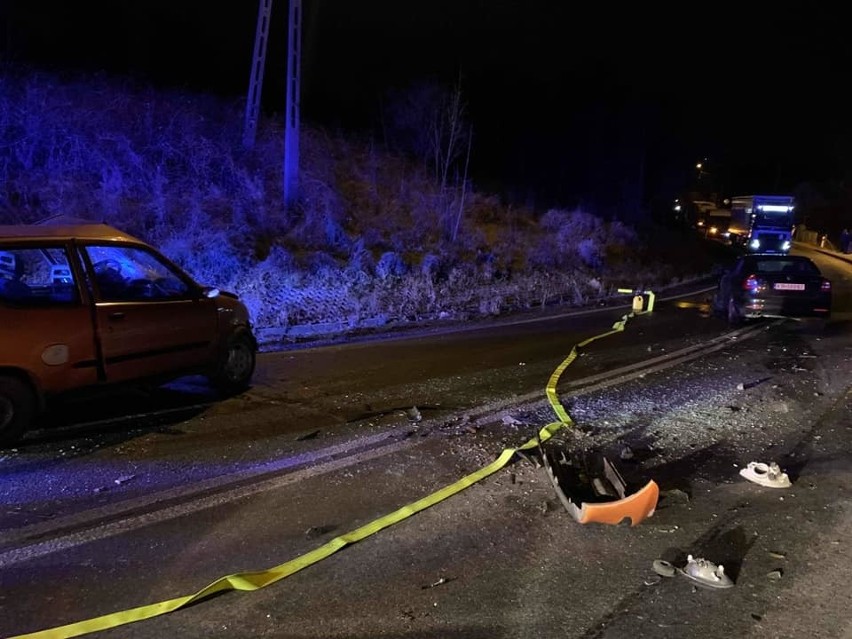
{"points": [[248, 581]]}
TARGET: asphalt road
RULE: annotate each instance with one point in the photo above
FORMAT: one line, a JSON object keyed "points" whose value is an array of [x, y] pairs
{"points": [[106, 516]]}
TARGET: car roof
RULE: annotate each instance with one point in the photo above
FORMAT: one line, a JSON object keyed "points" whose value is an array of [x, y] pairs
{"points": [[84, 231]]}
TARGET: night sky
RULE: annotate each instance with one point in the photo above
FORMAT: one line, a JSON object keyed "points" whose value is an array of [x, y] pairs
{"points": [[559, 94]]}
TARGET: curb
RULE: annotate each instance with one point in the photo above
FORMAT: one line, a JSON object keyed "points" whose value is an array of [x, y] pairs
{"points": [[271, 339], [843, 257]]}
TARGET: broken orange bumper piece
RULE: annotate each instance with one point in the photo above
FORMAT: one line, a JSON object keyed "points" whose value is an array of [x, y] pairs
{"points": [[599, 497]]}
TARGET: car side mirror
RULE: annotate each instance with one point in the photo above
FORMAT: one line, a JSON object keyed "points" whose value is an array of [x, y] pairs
{"points": [[210, 291]]}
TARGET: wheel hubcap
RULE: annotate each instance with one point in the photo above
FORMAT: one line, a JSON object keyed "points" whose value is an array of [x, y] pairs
{"points": [[239, 362]]}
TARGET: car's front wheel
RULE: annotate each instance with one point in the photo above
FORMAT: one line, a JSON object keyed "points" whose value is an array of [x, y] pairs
{"points": [[236, 365], [17, 409]]}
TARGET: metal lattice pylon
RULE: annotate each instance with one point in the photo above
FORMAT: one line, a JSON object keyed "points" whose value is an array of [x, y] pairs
{"points": [[256, 82], [291, 126]]}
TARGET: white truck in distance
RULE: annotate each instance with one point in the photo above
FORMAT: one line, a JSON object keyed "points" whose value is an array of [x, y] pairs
{"points": [[762, 223]]}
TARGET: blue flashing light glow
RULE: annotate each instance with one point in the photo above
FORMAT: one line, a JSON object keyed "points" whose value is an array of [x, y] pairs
{"points": [[774, 208]]}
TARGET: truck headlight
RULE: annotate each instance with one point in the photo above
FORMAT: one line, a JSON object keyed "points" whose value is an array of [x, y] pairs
{"points": [[755, 244], [785, 246]]}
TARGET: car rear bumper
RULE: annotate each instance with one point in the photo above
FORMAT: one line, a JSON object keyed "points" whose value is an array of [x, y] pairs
{"points": [[785, 307]]}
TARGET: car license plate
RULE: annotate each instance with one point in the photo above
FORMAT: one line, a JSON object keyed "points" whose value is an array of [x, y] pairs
{"points": [[787, 286]]}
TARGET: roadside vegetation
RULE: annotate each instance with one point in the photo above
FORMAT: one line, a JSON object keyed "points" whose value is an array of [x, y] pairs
{"points": [[384, 232]]}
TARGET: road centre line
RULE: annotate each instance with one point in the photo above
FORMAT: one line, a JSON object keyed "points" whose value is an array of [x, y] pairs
{"points": [[134, 522], [42, 539]]}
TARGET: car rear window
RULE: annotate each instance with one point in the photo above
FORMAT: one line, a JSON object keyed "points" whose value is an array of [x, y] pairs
{"points": [[794, 266]]}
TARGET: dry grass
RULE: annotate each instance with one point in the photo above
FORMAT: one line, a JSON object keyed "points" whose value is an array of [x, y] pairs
{"points": [[368, 239]]}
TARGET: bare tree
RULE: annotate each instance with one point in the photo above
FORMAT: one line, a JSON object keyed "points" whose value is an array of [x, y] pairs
{"points": [[451, 138], [430, 122]]}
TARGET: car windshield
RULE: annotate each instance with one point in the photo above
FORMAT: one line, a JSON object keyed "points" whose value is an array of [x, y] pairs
{"points": [[773, 218], [789, 265]]}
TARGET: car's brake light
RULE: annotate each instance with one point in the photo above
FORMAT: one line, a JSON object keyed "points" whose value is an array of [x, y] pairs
{"points": [[751, 283], [826, 286]]}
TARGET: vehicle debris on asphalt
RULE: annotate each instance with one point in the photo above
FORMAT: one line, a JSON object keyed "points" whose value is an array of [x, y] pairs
{"points": [[664, 568], [592, 490], [706, 573], [698, 570], [769, 475], [440, 582]]}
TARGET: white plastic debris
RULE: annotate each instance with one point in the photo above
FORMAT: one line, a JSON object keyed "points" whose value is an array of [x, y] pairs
{"points": [[441, 581], [706, 573], [769, 475], [664, 568]]}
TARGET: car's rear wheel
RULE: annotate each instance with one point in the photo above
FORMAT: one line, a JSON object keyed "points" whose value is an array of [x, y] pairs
{"points": [[734, 317], [236, 365], [17, 409]]}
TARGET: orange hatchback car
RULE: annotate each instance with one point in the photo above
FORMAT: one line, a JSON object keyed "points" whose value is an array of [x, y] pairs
{"points": [[88, 305]]}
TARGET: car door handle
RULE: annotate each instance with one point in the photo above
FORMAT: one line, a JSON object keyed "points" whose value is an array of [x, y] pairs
{"points": [[118, 315]]}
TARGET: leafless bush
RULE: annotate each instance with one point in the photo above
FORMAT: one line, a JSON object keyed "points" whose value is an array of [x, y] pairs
{"points": [[369, 238]]}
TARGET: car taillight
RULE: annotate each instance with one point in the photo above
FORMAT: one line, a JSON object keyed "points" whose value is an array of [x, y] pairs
{"points": [[751, 283], [825, 287]]}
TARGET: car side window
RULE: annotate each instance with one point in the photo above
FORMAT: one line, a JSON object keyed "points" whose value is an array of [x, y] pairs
{"points": [[132, 274], [33, 276]]}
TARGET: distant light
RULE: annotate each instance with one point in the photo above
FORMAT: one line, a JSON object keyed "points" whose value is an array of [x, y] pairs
{"points": [[699, 165], [727, 234], [677, 207], [785, 246], [755, 244], [700, 223], [774, 208]]}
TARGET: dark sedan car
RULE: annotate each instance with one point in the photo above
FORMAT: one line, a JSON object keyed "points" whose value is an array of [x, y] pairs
{"points": [[772, 286]]}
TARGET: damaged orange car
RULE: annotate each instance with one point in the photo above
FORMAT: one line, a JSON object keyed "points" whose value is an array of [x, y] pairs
{"points": [[86, 305]]}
